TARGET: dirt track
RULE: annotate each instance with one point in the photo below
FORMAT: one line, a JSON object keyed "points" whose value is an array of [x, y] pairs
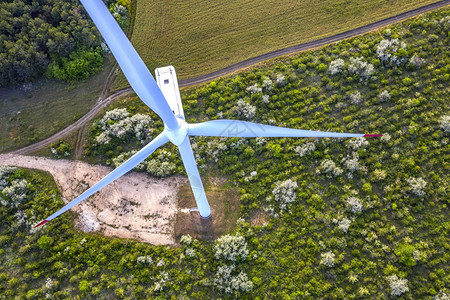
{"points": [[231, 69], [74, 126]]}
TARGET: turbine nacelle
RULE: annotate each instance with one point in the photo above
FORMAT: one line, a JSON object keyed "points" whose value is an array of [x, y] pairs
{"points": [[167, 80]]}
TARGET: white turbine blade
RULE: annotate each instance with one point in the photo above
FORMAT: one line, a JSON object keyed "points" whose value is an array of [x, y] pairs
{"points": [[194, 178], [131, 64], [119, 171], [236, 128]]}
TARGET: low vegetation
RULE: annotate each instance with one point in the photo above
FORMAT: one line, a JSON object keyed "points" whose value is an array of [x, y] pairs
{"points": [[319, 218]]}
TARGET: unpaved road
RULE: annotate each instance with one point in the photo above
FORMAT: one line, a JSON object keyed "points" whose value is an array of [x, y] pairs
{"points": [[74, 126], [135, 206], [233, 68]]}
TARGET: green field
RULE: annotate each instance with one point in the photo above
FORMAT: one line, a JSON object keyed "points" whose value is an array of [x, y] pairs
{"points": [[201, 36]]}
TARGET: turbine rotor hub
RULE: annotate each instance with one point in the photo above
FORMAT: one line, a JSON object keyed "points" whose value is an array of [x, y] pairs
{"points": [[178, 135]]}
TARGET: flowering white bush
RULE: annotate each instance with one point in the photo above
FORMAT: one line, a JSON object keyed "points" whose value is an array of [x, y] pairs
{"points": [[163, 277], [118, 123], [386, 50], [60, 149], [22, 218], [162, 165], [186, 239], [190, 252], [384, 96], [244, 109], [159, 166], [386, 137], [267, 83], [417, 185], [254, 89], [260, 141], [284, 192], [161, 263], [105, 48], [398, 285], [351, 162], [327, 166], [327, 259], [160, 169], [141, 126], [230, 284], [16, 191], [265, 99], [355, 98], [231, 247], [444, 123], [344, 224], [117, 161], [354, 204], [360, 67], [281, 81], [119, 11], [357, 143], [4, 172], [336, 66], [49, 284], [304, 149], [147, 259], [214, 148], [441, 296], [416, 61], [251, 176]]}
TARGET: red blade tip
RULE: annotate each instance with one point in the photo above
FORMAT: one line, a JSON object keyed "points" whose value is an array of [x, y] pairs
{"points": [[42, 223], [372, 135]]}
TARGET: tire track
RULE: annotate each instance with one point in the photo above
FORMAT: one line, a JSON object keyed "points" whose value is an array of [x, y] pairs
{"points": [[74, 126]]}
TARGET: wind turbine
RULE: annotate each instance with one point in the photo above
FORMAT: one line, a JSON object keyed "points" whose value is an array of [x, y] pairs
{"points": [[163, 97]]}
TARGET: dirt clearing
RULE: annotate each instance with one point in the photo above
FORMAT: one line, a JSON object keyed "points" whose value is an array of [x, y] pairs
{"points": [[135, 206]]}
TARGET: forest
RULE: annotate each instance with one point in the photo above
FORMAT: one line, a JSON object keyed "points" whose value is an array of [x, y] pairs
{"points": [[51, 37], [319, 218]]}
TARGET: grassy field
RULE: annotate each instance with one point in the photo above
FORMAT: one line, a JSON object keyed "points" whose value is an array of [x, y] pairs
{"points": [[45, 107], [201, 36]]}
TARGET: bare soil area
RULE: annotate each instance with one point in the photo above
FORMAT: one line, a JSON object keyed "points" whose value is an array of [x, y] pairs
{"points": [[135, 206]]}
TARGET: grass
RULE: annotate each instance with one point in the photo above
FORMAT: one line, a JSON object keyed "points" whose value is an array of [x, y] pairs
{"points": [[29, 115], [201, 36]]}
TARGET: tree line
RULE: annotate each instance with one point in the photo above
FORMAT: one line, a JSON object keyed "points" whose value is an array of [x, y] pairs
{"points": [[51, 37]]}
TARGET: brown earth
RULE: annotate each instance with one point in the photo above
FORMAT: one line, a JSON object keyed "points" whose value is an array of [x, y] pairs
{"points": [[135, 206]]}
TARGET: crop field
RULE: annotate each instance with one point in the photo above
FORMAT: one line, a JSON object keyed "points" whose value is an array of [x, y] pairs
{"points": [[201, 36]]}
